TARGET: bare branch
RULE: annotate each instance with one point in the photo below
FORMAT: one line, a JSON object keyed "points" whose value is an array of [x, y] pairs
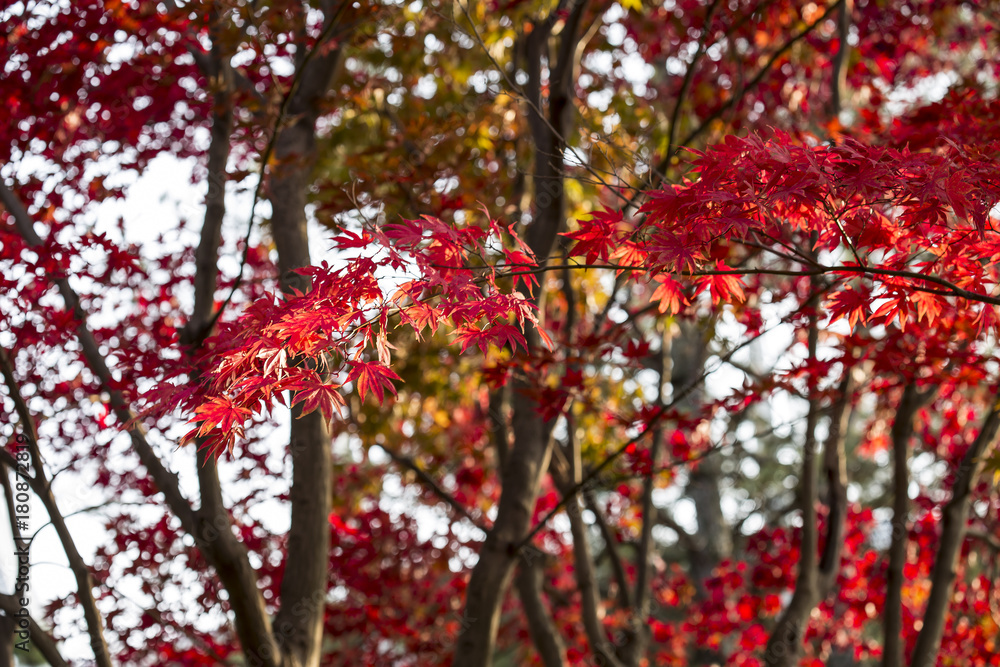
{"points": [[610, 549], [706, 30], [564, 474], [639, 643], [838, 75]]}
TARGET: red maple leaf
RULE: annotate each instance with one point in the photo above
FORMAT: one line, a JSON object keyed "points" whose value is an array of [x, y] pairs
{"points": [[322, 396], [849, 303], [495, 334], [670, 294], [373, 377], [724, 287], [596, 238]]}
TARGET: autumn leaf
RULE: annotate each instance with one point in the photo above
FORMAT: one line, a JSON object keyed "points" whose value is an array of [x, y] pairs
{"points": [[848, 303], [372, 377], [724, 287], [628, 254], [221, 413], [670, 294], [322, 396], [595, 239], [495, 334]]}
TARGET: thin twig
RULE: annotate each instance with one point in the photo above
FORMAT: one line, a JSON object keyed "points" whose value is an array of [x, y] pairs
{"points": [[429, 482]]}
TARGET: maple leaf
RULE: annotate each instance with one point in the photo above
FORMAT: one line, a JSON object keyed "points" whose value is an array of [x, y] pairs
{"points": [[521, 265], [220, 421], [928, 305], [222, 413], [348, 239], [495, 334], [407, 233], [322, 396], [848, 303], [596, 238], [988, 319], [724, 287], [372, 377], [893, 306], [421, 315], [959, 192], [670, 294], [628, 254], [661, 631], [636, 349], [507, 335], [275, 359]]}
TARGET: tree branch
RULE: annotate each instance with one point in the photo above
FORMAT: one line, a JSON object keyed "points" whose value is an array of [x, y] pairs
{"points": [[835, 470], [686, 83], [40, 485], [950, 288], [40, 639], [216, 540], [639, 643], [166, 481], [611, 549], [428, 481], [224, 554], [564, 474], [785, 642], [664, 162], [592, 476]]}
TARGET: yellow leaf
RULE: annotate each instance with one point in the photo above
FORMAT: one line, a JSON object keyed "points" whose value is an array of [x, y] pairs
{"points": [[635, 5]]}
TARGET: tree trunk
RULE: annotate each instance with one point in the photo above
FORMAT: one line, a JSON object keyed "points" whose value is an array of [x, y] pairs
{"points": [[712, 542], [530, 452], [8, 624], [299, 622], [639, 630], [303, 588], [522, 475], [567, 476], [953, 528], [835, 469], [785, 642], [543, 632], [902, 431]]}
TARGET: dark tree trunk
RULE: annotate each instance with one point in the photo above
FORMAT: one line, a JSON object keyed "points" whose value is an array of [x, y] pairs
{"points": [[953, 530], [531, 450]]}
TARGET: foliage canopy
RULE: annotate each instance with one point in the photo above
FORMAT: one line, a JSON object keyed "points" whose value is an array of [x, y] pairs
{"points": [[562, 333]]}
